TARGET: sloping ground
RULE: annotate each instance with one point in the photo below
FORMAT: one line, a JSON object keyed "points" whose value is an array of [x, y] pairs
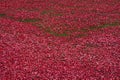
{"points": [[59, 40]]}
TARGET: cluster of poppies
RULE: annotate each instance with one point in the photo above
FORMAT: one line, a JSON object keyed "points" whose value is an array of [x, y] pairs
{"points": [[59, 40], [63, 17]]}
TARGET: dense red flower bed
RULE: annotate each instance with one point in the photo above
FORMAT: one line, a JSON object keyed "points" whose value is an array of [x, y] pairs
{"points": [[59, 40]]}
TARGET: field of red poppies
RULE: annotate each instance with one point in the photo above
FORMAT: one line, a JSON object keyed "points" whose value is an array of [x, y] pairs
{"points": [[59, 40]]}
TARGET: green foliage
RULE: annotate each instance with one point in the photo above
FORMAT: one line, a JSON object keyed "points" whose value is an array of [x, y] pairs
{"points": [[2, 15], [29, 20], [104, 26], [56, 34], [46, 12]]}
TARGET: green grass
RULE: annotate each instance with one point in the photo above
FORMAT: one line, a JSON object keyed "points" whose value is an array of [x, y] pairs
{"points": [[56, 14], [29, 20], [108, 25], [84, 29], [81, 35], [2, 15], [61, 34], [104, 26], [52, 13], [47, 12], [55, 33]]}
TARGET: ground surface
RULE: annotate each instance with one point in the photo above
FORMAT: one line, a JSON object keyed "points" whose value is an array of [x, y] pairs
{"points": [[59, 40]]}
